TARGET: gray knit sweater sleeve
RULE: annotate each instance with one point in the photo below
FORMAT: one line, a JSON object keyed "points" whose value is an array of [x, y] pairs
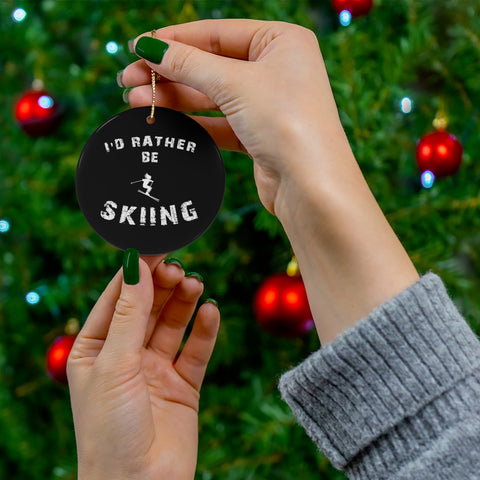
{"points": [[398, 395]]}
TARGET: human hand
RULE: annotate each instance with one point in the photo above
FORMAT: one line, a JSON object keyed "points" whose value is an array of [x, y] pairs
{"points": [[267, 78], [270, 82], [135, 407]]}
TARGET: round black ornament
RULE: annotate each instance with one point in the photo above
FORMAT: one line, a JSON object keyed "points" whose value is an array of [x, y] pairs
{"points": [[155, 187]]}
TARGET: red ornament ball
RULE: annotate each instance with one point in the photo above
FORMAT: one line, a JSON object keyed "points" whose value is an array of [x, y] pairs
{"points": [[356, 7], [57, 356], [440, 152], [281, 306], [37, 113]]}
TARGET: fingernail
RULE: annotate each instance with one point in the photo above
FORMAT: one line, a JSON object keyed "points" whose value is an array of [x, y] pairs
{"points": [[174, 261], [125, 94], [131, 43], [131, 271], [120, 79], [151, 49], [196, 275], [212, 300]]}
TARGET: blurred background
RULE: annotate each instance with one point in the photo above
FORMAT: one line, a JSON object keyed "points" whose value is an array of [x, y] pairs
{"points": [[400, 70]]}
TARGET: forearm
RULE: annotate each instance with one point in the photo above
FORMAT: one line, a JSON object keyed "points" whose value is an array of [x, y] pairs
{"points": [[350, 259]]}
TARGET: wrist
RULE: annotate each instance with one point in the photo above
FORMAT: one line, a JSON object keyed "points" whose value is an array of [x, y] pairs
{"points": [[350, 259], [316, 177]]}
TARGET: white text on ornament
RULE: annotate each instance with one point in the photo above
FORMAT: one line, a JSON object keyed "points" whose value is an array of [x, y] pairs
{"points": [[152, 141], [148, 216]]}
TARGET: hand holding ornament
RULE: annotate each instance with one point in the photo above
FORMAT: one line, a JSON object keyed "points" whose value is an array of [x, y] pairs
{"points": [[270, 82], [134, 403]]}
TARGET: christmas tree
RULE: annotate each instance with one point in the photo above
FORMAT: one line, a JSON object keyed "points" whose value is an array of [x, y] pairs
{"points": [[393, 71]]}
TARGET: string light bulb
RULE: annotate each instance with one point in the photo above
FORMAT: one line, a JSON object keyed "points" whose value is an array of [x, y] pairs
{"points": [[111, 47], [345, 18], [19, 15], [4, 226], [406, 105], [32, 298], [427, 179]]}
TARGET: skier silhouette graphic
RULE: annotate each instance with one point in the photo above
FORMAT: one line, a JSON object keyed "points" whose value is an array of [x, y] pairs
{"points": [[147, 183]]}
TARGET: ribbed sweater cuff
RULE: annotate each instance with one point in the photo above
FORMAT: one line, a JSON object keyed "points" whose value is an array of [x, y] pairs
{"points": [[373, 378]]}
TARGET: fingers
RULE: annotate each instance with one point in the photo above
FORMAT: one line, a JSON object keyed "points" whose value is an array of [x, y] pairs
{"points": [[203, 71], [153, 260], [157, 308], [193, 361], [166, 277], [174, 318], [183, 98], [120, 309], [137, 73], [94, 332], [90, 339], [229, 38], [132, 311]]}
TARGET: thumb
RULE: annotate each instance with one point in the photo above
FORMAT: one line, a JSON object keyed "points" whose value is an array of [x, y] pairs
{"points": [[132, 310], [204, 71]]}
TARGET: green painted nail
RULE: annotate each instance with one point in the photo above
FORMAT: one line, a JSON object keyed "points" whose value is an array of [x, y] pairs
{"points": [[130, 45], [131, 271], [196, 275], [120, 79], [212, 300], [173, 261], [151, 49], [125, 94]]}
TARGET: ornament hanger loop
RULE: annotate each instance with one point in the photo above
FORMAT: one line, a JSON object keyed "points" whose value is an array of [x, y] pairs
{"points": [[151, 117], [440, 121]]}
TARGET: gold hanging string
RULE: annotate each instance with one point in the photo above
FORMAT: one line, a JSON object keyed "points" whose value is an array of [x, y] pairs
{"points": [[151, 118]]}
